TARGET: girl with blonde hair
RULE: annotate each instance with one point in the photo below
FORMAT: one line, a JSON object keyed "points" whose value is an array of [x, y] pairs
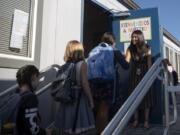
{"points": [[67, 112]]}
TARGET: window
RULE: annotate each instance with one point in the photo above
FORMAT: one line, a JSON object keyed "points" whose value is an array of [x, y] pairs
{"points": [[167, 53], [171, 56], [18, 19], [176, 62], [6, 23]]}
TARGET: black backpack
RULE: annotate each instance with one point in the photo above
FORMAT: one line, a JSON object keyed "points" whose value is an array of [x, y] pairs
{"points": [[65, 85]]}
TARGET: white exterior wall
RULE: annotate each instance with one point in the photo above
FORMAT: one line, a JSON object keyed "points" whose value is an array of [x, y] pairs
{"points": [[62, 21], [171, 44], [7, 74], [48, 33], [175, 50], [69, 25], [172, 47]]}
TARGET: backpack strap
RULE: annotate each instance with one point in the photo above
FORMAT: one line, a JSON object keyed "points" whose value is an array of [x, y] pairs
{"points": [[78, 72], [103, 44], [78, 78]]}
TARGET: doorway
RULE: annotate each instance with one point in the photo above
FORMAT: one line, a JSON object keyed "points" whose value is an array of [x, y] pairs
{"points": [[96, 22]]}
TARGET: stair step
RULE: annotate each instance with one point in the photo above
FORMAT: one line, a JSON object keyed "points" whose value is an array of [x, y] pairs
{"points": [[153, 130]]}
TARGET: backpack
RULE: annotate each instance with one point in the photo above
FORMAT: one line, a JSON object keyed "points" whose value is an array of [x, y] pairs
{"points": [[64, 87], [101, 62]]}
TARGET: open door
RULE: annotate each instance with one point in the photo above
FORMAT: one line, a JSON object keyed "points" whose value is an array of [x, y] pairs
{"points": [[96, 22]]}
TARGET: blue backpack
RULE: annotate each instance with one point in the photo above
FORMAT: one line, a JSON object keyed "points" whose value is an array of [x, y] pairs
{"points": [[101, 63]]}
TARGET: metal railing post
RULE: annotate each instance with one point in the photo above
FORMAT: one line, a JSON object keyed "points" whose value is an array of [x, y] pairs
{"points": [[166, 98], [174, 108]]}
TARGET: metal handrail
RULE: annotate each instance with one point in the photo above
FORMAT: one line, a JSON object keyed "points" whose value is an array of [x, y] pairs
{"points": [[128, 103], [136, 103], [12, 88], [170, 89], [124, 114], [175, 108], [38, 92], [3, 93]]}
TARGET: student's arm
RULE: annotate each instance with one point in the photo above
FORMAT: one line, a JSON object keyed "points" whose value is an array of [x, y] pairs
{"points": [[149, 58], [85, 83], [120, 59], [175, 77], [128, 55], [31, 117]]}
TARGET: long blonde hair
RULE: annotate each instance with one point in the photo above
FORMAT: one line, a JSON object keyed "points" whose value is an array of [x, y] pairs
{"points": [[74, 51]]}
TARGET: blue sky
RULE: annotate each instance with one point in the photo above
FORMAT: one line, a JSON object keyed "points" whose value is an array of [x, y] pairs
{"points": [[169, 13]]}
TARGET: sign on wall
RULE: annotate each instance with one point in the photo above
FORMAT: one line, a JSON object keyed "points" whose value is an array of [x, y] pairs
{"points": [[19, 28], [128, 26]]}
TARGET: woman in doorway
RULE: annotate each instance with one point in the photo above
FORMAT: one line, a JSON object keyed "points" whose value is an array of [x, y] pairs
{"points": [[139, 56]]}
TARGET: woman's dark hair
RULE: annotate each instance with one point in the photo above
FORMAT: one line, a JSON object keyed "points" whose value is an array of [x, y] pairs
{"points": [[141, 43], [108, 38], [140, 35], [25, 73], [166, 62]]}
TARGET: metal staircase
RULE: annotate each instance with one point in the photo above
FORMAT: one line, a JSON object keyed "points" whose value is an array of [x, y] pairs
{"points": [[119, 124]]}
